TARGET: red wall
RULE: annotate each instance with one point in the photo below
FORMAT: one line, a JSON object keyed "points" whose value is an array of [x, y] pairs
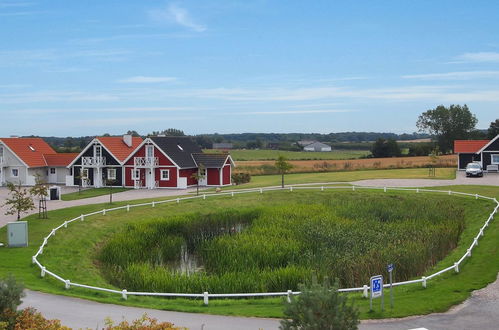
{"points": [[226, 174], [187, 174], [128, 176], [213, 176], [173, 176], [163, 160]]}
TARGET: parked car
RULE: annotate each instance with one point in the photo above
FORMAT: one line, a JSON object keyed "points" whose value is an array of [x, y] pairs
{"points": [[474, 169]]}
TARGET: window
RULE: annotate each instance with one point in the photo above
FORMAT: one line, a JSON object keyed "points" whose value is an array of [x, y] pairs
{"points": [[165, 175], [111, 174], [494, 159], [149, 151], [32, 148], [52, 170], [84, 173], [136, 174], [1, 151], [15, 172], [97, 151], [180, 147]]}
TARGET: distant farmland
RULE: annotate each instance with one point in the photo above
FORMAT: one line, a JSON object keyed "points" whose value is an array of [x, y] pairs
{"points": [[301, 166], [251, 155]]}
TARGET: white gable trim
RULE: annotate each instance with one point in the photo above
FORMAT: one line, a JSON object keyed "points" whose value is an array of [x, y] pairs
{"points": [[90, 144], [17, 156], [148, 140], [488, 144]]}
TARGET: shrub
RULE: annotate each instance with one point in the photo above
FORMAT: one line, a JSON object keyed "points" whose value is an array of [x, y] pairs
{"points": [[30, 319], [144, 323], [240, 178], [11, 293], [319, 307]]}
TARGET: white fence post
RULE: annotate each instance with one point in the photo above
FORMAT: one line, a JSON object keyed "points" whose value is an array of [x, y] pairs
{"points": [[67, 284], [450, 192], [205, 298], [475, 241], [82, 217], [456, 267], [123, 294], [353, 188], [476, 196], [261, 191], [65, 224], [104, 212], [153, 204], [204, 196], [322, 188], [178, 200], [417, 190], [365, 291], [469, 253], [291, 188], [384, 189], [52, 233], [33, 259], [42, 273], [424, 281], [128, 208], [290, 294], [232, 194]]}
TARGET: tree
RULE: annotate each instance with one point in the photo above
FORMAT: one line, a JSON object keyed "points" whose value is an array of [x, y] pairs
{"points": [[385, 148], [283, 166], [110, 183], [40, 191], [19, 200], [447, 124], [319, 307], [132, 133], [81, 178], [11, 293], [199, 175], [493, 130]]}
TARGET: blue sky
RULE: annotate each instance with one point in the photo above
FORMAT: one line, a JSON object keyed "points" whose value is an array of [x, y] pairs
{"points": [[89, 67]]}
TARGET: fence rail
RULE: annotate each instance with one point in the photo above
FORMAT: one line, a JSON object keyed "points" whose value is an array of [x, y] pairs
{"points": [[206, 296]]}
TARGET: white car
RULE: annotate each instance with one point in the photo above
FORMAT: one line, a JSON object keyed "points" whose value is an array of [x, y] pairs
{"points": [[474, 169]]}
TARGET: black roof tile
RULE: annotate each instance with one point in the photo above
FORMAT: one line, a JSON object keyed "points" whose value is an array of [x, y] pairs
{"points": [[178, 148]]}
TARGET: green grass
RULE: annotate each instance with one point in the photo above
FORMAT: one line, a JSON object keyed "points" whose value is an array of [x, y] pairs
{"points": [[91, 192], [346, 176], [286, 243], [75, 243], [242, 155]]}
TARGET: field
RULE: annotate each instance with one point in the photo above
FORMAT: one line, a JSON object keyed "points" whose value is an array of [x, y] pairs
{"points": [[73, 251], [245, 155], [275, 247], [303, 166]]}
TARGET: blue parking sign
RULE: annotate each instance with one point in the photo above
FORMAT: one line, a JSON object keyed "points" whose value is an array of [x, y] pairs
{"points": [[376, 286]]}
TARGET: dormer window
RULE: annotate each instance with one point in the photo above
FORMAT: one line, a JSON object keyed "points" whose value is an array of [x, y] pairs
{"points": [[31, 148], [180, 147]]}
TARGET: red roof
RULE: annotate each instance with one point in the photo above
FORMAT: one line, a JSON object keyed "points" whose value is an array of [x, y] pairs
{"points": [[469, 146], [29, 150], [62, 159], [117, 146]]}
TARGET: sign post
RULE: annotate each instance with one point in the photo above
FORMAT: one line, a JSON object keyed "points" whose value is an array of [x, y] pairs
{"points": [[376, 290], [390, 268]]}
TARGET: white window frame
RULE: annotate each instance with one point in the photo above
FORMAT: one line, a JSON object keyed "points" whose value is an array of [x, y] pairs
{"points": [[492, 159], [12, 172], [167, 175], [149, 151], [99, 148], [52, 170], [113, 175], [136, 174], [86, 176]]}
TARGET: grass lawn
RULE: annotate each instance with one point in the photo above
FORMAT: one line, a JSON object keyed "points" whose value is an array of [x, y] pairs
{"points": [[345, 176], [239, 154], [92, 192], [70, 254]]}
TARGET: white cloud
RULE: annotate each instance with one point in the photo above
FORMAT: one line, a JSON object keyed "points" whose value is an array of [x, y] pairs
{"points": [[146, 80], [292, 112], [460, 75], [177, 15], [478, 57]]}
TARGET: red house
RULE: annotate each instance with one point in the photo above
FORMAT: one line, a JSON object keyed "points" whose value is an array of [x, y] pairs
{"points": [[170, 162]]}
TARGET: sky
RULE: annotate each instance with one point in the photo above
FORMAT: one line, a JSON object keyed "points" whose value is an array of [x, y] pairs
{"points": [[72, 68]]}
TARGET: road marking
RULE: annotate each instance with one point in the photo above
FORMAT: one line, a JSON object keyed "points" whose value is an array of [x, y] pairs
{"points": [[418, 329]]}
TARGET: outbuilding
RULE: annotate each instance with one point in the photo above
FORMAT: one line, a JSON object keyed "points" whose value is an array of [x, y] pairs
{"points": [[485, 152]]}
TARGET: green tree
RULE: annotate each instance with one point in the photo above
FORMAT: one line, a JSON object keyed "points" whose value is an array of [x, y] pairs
{"points": [[19, 200], [110, 183], [447, 124], [198, 176], [11, 293], [493, 130], [385, 148], [133, 133], [283, 166], [320, 307]]}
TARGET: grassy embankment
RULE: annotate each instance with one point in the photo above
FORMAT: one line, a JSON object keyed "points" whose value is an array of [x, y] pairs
{"points": [[92, 192], [78, 243]]}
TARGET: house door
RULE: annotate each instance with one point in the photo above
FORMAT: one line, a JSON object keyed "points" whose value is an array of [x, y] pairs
{"points": [[150, 180], [52, 175], [204, 177]]}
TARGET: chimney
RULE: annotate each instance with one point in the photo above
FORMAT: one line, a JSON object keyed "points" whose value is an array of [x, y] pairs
{"points": [[127, 138]]}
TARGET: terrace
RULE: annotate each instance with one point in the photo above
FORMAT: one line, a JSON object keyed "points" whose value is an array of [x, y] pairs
{"points": [[145, 161], [93, 161]]}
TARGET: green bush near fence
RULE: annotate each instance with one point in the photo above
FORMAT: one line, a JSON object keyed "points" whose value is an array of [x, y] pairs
{"points": [[276, 247]]}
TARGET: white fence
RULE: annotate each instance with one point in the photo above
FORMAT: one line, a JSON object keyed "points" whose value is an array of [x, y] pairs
{"points": [[206, 296]]}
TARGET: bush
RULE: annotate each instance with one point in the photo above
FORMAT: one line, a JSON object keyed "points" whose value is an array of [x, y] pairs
{"points": [[240, 178], [319, 307], [11, 293], [30, 319], [144, 323]]}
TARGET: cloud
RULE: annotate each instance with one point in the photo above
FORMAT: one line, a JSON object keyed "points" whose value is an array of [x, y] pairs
{"points": [[478, 57], [10, 4], [292, 112], [460, 75], [146, 80], [176, 15], [44, 111]]}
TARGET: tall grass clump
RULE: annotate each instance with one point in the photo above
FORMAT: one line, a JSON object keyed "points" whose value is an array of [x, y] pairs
{"points": [[275, 247]]}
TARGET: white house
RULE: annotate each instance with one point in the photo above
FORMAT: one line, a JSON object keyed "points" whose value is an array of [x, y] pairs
{"points": [[317, 146]]}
